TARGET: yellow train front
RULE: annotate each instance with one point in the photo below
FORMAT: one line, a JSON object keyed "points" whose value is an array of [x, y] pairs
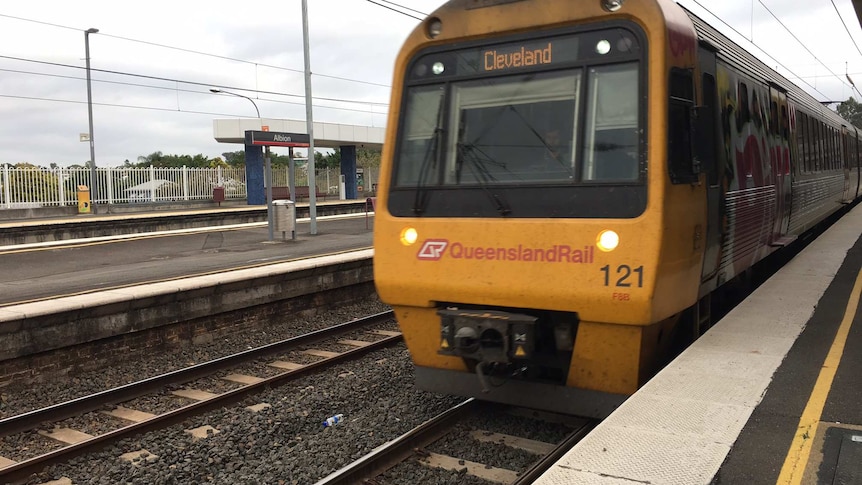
{"points": [[538, 227]]}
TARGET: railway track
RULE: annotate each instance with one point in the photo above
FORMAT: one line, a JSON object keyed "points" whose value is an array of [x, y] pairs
{"points": [[314, 349], [381, 466]]}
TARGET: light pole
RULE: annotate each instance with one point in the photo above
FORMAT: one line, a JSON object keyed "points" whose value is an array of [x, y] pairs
{"points": [[267, 182], [90, 113], [309, 122]]}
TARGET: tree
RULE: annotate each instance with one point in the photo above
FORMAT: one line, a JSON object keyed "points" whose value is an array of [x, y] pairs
{"points": [[851, 111], [154, 159], [32, 183], [158, 159], [367, 157], [235, 159], [331, 160]]}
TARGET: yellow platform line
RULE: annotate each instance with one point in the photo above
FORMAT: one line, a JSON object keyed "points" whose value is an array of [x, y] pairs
{"points": [[800, 448]]}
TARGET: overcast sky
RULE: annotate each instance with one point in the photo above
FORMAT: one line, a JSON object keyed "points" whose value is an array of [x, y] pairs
{"points": [[178, 50]]}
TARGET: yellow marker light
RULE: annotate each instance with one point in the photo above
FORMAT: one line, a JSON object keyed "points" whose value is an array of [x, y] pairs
{"points": [[435, 28], [409, 236], [608, 240], [612, 5]]}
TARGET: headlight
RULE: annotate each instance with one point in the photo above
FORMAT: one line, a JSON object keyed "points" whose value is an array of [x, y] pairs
{"points": [[608, 240], [409, 236]]}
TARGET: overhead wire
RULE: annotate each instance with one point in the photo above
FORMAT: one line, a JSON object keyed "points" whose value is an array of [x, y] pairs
{"points": [[210, 85], [190, 83], [845, 28], [854, 44], [164, 88], [394, 9], [803, 45], [191, 51], [405, 7], [764, 52]]}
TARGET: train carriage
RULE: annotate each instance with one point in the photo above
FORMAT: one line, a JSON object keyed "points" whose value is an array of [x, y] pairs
{"points": [[564, 185]]}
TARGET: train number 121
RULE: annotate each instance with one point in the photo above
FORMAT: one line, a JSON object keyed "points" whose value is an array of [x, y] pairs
{"points": [[623, 275]]}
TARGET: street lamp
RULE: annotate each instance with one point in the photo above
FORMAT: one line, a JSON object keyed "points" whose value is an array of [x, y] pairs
{"points": [[90, 113], [219, 91], [267, 182]]}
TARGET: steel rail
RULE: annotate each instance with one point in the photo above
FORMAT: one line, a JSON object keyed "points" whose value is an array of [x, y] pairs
{"points": [[396, 451], [24, 469], [33, 419], [547, 461]]}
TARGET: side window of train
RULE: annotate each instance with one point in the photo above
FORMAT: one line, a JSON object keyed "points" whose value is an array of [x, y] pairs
{"points": [[773, 118], [705, 135], [801, 145], [818, 143], [683, 167], [812, 142]]}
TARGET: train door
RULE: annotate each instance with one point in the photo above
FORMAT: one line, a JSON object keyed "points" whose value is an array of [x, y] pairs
{"points": [[845, 162], [855, 163], [779, 156], [707, 150]]}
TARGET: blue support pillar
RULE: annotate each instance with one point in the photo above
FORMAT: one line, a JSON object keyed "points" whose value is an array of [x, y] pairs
{"points": [[348, 169], [254, 181]]}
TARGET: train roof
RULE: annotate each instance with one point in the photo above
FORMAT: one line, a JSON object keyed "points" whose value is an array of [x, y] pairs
{"points": [[743, 60]]}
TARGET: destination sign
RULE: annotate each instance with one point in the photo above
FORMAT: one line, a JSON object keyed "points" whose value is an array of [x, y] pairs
{"points": [[529, 54], [519, 56], [523, 56]]}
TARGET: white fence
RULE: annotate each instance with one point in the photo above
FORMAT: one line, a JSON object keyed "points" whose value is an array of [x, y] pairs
{"points": [[45, 187]]}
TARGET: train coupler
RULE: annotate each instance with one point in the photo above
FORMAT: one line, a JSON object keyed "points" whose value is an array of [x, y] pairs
{"points": [[487, 336]]}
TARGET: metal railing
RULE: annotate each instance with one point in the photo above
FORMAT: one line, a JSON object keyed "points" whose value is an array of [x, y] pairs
{"points": [[32, 187]]}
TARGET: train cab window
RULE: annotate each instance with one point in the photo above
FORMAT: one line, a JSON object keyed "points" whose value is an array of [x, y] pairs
{"points": [[421, 140], [513, 129], [611, 142]]}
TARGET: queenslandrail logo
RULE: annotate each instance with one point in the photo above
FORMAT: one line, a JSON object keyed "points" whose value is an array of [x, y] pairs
{"points": [[435, 250]]}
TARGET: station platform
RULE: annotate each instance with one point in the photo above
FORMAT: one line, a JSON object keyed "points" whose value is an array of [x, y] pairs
{"points": [[139, 218], [61, 256], [770, 394], [68, 304]]}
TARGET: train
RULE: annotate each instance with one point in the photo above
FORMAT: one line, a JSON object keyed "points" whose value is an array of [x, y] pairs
{"points": [[566, 186]]}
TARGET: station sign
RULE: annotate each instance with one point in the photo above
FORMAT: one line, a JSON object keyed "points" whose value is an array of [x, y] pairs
{"points": [[276, 139]]}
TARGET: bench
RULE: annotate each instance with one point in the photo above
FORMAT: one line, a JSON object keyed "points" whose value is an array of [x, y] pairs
{"points": [[280, 193], [302, 192]]}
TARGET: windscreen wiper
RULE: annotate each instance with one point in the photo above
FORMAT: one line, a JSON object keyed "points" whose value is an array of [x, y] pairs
{"points": [[429, 162], [476, 164]]}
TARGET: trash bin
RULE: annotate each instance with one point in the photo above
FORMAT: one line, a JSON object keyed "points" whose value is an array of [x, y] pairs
{"points": [[284, 216], [83, 199], [218, 195]]}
